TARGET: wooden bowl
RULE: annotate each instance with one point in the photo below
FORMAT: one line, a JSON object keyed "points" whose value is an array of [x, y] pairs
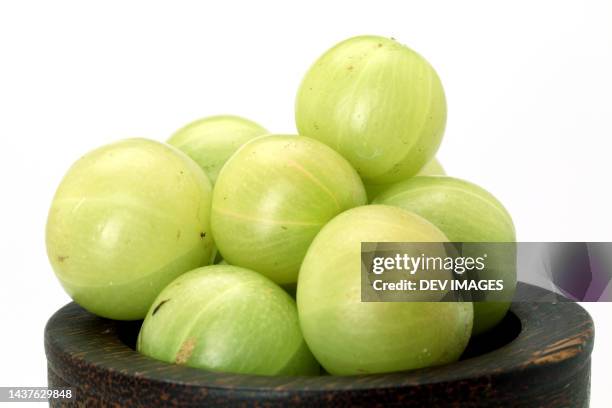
{"points": [[539, 356]]}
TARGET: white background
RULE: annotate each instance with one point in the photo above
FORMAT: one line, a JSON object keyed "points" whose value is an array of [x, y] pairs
{"points": [[528, 86]]}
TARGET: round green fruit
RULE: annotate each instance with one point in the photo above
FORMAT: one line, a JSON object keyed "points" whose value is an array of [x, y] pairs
{"points": [[348, 336], [126, 220], [433, 168], [378, 103], [229, 319], [465, 213], [273, 196], [211, 141]]}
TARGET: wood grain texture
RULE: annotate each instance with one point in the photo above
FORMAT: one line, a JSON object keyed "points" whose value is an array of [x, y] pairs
{"points": [[539, 356]]}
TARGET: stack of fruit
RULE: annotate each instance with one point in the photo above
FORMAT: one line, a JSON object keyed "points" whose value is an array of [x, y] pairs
{"points": [[135, 227]]}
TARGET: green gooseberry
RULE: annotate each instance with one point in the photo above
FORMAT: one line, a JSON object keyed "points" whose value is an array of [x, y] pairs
{"points": [[433, 168], [378, 103], [228, 319], [348, 336], [127, 219], [273, 196], [465, 212], [211, 141]]}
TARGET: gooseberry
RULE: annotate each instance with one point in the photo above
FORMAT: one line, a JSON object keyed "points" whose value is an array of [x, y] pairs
{"points": [[348, 336], [378, 103], [127, 219], [465, 212], [230, 319], [211, 141], [273, 196]]}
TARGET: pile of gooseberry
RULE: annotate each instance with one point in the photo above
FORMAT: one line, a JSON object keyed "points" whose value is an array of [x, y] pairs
{"points": [[240, 249]]}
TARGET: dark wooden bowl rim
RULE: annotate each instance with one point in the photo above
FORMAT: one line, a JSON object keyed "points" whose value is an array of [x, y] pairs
{"points": [[551, 335]]}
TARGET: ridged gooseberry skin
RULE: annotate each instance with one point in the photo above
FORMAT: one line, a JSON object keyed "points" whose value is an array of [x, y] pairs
{"points": [[229, 319], [378, 103], [465, 212], [433, 168], [273, 196], [211, 141], [348, 336], [127, 219]]}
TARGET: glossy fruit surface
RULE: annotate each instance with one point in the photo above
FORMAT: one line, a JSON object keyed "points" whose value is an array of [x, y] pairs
{"points": [[465, 212], [349, 336], [127, 219], [229, 319], [378, 103], [211, 141], [273, 196]]}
